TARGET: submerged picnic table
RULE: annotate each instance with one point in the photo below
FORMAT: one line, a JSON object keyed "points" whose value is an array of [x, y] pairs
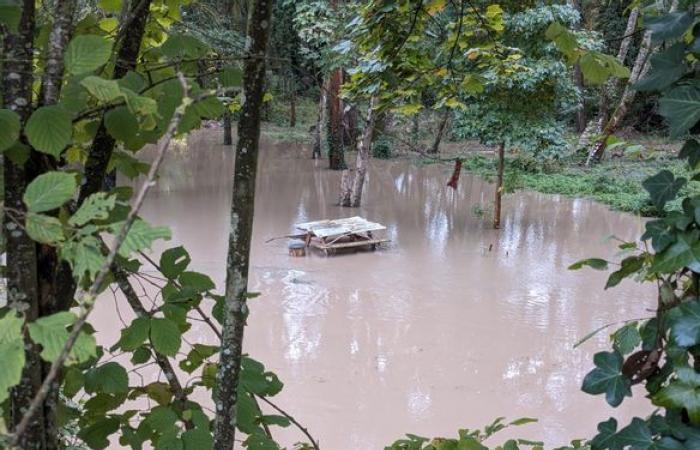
{"points": [[329, 235]]}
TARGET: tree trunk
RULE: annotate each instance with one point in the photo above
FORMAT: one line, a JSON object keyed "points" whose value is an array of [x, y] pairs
{"points": [[350, 128], [577, 75], [228, 133], [242, 210], [364, 146], [103, 143], [320, 120], [435, 148], [293, 109], [499, 186], [415, 130], [22, 292], [336, 154], [609, 89]]}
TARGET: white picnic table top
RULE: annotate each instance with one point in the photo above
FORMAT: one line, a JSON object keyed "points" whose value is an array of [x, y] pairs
{"points": [[339, 227]]}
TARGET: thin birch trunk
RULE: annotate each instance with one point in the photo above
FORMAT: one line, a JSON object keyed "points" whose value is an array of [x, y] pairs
{"points": [[499, 186], [242, 210], [363, 152], [22, 292]]}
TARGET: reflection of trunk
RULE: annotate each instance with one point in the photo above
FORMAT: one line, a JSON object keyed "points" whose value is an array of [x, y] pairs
{"points": [[641, 65], [456, 172], [22, 292], [242, 209], [435, 148], [293, 110], [335, 122], [499, 186], [352, 182], [609, 89], [228, 134], [320, 120]]}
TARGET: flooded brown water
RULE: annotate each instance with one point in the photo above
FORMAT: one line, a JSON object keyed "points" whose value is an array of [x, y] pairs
{"points": [[449, 326]]}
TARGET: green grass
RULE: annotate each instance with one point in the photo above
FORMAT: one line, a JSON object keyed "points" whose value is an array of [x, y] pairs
{"points": [[616, 183]]}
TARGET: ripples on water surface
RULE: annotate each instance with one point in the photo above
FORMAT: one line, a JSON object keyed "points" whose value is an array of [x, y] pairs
{"points": [[451, 325]]}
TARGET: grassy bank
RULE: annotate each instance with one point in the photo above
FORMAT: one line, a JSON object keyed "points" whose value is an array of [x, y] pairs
{"points": [[617, 182]]}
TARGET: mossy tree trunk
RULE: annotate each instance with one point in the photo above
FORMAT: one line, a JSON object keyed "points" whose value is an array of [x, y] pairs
{"points": [[242, 210]]}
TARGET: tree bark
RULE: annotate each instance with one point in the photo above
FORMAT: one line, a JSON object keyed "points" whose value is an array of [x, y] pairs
{"points": [[293, 109], [364, 146], [127, 55], [320, 120], [242, 210], [228, 132], [580, 116], [608, 91], [499, 186], [435, 148], [336, 154], [22, 279]]}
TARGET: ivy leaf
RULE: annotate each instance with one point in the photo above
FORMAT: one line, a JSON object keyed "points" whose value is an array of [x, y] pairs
{"points": [[594, 263], [44, 229], [11, 353], [49, 129], [669, 26], [140, 236], [606, 436], [657, 231], [103, 90], [663, 187], [636, 436], [681, 108], [86, 53], [109, 378], [95, 207], [685, 324], [10, 126], [165, 336], [49, 191], [607, 378], [627, 338], [685, 252], [135, 334], [691, 152], [667, 67]]}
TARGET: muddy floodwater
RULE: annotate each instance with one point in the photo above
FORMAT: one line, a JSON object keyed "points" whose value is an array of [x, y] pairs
{"points": [[449, 326]]}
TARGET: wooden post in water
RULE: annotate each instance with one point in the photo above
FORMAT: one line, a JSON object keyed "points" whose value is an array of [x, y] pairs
{"points": [[499, 186]]}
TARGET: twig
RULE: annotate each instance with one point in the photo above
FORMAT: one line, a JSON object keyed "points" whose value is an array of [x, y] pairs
{"points": [[314, 443], [87, 299]]}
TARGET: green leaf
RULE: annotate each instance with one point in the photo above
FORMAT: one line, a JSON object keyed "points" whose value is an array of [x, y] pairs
{"points": [[636, 436], [86, 53], [121, 124], [49, 191], [594, 263], [629, 266], [135, 334], [667, 67], [49, 129], [670, 26], [181, 46], [51, 333], [663, 187], [11, 353], [627, 338], [114, 6], [165, 336], [103, 90], [174, 261], [681, 108], [607, 378], [44, 229], [197, 356], [691, 152], [606, 436], [96, 435], [109, 378], [95, 207], [196, 281], [598, 67], [140, 236], [10, 126], [197, 439], [231, 76], [84, 256], [685, 324], [10, 14], [161, 419], [685, 252]]}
